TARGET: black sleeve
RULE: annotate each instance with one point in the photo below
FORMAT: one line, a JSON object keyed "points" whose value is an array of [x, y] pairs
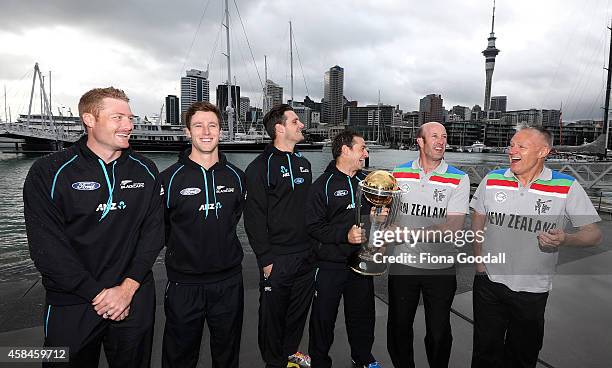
{"points": [[256, 214], [165, 201], [318, 225], [241, 199], [50, 248], [151, 237]]}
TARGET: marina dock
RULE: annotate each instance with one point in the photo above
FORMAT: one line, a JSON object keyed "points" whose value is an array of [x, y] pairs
{"points": [[576, 331]]}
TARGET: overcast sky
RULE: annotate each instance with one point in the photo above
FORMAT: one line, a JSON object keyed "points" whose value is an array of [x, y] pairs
{"points": [[552, 51]]}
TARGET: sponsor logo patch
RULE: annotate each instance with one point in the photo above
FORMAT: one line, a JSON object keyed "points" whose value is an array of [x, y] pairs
{"points": [[114, 206], [190, 191], [85, 185], [298, 180], [211, 206], [541, 206], [341, 193], [224, 189], [304, 169], [128, 184], [500, 197], [439, 195]]}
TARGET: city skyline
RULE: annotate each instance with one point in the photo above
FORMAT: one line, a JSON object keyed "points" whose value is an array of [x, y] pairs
{"points": [[553, 52]]}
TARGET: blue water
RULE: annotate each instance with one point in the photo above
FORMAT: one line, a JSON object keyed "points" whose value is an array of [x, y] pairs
{"points": [[15, 262]]}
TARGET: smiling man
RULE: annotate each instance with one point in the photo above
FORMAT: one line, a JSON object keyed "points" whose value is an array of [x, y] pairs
{"points": [[435, 199], [277, 183], [94, 221], [203, 202], [330, 220], [525, 209]]}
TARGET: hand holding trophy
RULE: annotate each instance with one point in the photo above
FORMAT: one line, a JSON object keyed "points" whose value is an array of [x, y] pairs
{"points": [[380, 189]]}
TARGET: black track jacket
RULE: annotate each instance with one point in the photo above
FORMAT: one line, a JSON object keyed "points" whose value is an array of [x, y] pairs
{"points": [[202, 210], [91, 224], [277, 186], [330, 214]]}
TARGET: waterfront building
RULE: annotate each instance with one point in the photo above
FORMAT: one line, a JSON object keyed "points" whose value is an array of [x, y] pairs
{"points": [[365, 120], [463, 132]]}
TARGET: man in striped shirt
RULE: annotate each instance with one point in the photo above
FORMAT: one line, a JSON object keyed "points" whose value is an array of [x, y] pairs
{"points": [[435, 199], [525, 209]]}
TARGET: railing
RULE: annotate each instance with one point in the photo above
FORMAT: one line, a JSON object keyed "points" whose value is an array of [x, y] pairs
{"points": [[592, 175], [27, 131]]}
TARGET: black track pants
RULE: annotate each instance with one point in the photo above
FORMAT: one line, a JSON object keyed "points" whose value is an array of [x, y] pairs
{"points": [[404, 292], [126, 343], [187, 307], [359, 311], [508, 325], [284, 301]]}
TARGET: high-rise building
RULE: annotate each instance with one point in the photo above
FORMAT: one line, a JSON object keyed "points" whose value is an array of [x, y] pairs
{"points": [[315, 106], [371, 121], [315, 118], [334, 93], [173, 115], [254, 114], [498, 103], [461, 112], [431, 109], [245, 104], [273, 96], [490, 53], [194, 88], [477, 113]]}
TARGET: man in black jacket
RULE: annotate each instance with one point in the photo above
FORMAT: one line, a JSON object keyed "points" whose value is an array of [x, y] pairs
{"points": [[94, 221], [277, 183], [204, 200], [330, 220]]}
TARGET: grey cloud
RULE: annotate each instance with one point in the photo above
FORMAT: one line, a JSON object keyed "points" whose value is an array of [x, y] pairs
{"points": [[404, 48]]}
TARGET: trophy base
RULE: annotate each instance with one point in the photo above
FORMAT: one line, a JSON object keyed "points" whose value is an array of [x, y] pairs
{"points": [[366, 267]]}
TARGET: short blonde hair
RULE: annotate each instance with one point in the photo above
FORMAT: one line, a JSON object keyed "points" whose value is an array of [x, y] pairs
{"points": [[91, 101]]}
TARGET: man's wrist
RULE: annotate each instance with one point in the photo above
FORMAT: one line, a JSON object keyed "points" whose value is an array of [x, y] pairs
{"points": [[130, 285]]}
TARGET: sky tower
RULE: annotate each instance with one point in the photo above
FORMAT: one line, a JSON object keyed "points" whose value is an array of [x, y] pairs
{"points": [[490, 53]]}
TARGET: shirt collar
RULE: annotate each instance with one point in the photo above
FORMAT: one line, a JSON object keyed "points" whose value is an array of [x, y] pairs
{"points": [[440, 169], [546, 174]]}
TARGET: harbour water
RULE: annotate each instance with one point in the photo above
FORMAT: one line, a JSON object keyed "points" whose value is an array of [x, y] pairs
{"points": [[15, 263]]}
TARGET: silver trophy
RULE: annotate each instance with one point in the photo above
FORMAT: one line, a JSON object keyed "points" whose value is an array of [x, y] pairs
{"points": [[380, 189]]}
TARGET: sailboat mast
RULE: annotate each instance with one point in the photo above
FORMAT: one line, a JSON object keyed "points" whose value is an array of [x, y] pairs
{"points": [[264, 107], [229, 109], [50, 105], [5, 115], [607, 102], [291, 58]]}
